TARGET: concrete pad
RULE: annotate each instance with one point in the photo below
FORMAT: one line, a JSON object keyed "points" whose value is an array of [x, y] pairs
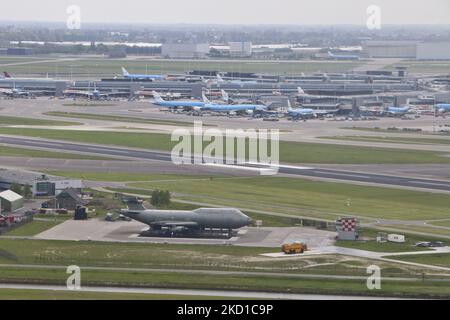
{"points": [[124, 231]]}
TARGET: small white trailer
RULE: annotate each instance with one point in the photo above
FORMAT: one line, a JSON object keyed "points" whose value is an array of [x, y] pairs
{"points": [[396, 238]]}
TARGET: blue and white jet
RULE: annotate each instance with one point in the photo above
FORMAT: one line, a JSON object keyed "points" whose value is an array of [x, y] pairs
{"points": [[442, 108], [398, 111], [232, 108], [131, 76]]}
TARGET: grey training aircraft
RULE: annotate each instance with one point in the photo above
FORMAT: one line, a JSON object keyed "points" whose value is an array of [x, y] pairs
{"points": [[177, 221]]}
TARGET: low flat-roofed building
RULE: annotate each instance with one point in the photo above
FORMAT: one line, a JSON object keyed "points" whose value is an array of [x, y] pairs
{"points": [[390, 49], [41, 184], [185, 50]]}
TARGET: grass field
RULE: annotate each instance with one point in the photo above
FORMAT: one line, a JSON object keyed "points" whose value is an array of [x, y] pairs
{"points": [[116, 118], [273, 283], [372, 245], [164, 256], [110, 67], [442, 223], [292, 152], [438, 259], [392, 140], [30, 153], [15, 121], [33, 228], [290, 195], [25, 294], [439, 67]]}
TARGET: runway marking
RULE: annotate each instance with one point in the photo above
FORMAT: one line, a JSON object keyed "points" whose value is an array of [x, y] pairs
{"points": [[41, 144], [109, 150], [430, 183], [344, 174], [296, 167]]}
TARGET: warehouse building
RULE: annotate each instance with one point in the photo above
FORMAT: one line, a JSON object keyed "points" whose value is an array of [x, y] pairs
{"points": [[185, 50], [41, 184], [10, 201], [420, 50], [433, 51], [390, 49], [20, 52], [240, 49]]}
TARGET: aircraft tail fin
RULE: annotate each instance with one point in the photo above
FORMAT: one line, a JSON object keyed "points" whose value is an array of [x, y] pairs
{"points": [[300, 90], [6, 74], [219, 78], [133, 203], [225, 96], [205, 99], [125, 73], [157, 97]]}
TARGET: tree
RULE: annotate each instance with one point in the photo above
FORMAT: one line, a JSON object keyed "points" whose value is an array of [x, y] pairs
{"points": [[17, 188], [27, 192], [165, 198], [155, 201], [160, 198]]}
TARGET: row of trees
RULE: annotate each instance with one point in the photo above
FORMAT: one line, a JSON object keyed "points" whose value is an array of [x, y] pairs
{"points": [[24, 191]]}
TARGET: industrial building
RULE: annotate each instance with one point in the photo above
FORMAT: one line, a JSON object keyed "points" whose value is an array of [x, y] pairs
{"points": [[240, 49], [41, 184], [390, 49], [10, 201], [433, 51], [20, 51], [420, 50], [185, 50]]}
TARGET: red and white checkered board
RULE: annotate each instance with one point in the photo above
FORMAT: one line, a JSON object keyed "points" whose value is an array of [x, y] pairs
{"points": [[348, 225]]}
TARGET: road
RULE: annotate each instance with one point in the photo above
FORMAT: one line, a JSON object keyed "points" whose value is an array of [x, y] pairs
{"points": [[192, 292], [308, 172]]}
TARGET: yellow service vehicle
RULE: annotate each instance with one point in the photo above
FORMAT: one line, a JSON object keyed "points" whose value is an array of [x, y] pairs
{"points": [[294, 248]]}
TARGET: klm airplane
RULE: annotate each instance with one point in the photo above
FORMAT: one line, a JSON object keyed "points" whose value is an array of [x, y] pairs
{"points": [[301, 113], [443, 107], [398, 111], [159, 101], [128, 75], [232, 108], [343, 56]]}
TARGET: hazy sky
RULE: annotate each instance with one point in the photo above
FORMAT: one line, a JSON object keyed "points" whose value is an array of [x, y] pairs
{"points": [[230, 11]]}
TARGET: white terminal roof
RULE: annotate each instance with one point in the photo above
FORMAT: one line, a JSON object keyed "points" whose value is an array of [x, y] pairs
{"points": [[10, 196]]}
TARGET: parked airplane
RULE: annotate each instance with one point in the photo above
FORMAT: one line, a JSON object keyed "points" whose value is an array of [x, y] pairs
{"points": [[302, 93], [93, 94], [131, 76], [159, 101], [343, 56], [196, 221], [232, 108], [306, 113], [397, 111], [220, 80], [15, 92], [7, 75], [442, 107]]}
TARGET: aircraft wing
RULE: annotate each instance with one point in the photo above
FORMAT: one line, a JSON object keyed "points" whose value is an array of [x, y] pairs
{"points": [[187, 224], [322, 112]]}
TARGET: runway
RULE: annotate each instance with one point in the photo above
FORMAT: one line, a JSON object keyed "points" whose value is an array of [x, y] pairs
{"points": [[311, 172]]}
